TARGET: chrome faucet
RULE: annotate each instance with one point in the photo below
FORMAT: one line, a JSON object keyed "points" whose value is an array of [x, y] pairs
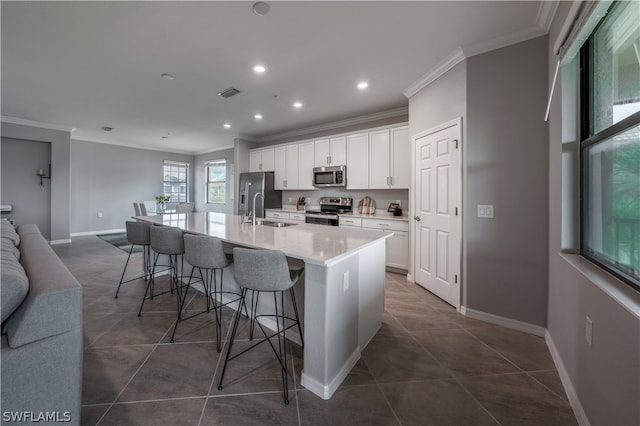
{"points": [[254, 206]]}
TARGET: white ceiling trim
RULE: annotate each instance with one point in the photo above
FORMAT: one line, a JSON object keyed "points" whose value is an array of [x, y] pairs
{"points": [[39, 124], [219, 148], [127, 144], [442, 67], [544, 17], [546, 13], [336, 124]]}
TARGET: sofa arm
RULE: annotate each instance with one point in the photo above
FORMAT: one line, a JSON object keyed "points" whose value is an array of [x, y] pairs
{"points": [[54, 303]]}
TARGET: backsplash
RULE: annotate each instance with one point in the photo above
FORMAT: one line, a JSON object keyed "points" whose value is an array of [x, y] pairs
{"points": [[382, 197]]}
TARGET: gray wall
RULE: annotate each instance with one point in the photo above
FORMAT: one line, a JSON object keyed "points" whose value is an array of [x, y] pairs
{"points": [[200, 187], [21, 187], [506, 166], [109, 178], [605, 376], [60, 147]]}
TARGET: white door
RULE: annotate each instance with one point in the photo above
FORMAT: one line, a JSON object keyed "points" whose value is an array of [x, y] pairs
{"points": [[437, 244]]}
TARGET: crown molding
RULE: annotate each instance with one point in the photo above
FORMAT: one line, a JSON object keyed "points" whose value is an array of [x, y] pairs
{"points": [[546, 13], [91, 139], [441, 68], [500, 42], [363, 119], [216, 149], [31, 123]]}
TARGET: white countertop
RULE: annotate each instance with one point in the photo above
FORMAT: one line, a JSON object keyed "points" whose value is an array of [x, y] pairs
{"points": [[319, 244], [379, 214]]}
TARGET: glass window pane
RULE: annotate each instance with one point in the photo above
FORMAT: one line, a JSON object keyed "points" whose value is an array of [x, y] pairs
{"points": [[611, 173], [615, 63], [216, 181]]}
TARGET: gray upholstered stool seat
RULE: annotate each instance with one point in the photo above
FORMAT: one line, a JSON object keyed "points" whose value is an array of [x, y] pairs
{"points": [[137, 234], [166, 240], [207, 253], [265, 271]]}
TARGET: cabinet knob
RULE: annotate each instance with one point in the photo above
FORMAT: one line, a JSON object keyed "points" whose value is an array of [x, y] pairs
{"points": [[417, 218]]}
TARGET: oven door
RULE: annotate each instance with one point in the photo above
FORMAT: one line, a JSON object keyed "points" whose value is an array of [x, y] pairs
{"points": [[320, 219]]}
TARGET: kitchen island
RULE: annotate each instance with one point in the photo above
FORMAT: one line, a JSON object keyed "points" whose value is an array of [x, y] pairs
{"points": [[343, 285]]}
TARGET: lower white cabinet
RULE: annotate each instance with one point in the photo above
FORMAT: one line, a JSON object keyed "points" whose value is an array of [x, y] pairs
{"points": [[397, 246], [286, 216]]}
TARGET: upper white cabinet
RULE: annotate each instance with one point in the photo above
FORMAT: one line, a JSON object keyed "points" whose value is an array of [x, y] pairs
{"points": [[389, 158], [286, 167], [358, 161], [306, 163], [400, 157], [262, 160], [331, 152]]}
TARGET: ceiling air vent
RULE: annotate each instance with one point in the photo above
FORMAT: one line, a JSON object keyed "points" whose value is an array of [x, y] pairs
{"points": [[227, 93]]}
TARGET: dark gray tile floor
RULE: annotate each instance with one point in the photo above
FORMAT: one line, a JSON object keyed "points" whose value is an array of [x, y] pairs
{"points": [[428, 365]]}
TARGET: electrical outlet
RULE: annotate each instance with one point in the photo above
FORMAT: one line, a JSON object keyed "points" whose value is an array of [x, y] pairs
{"points": [[290, 200], [485, 211], [345, 281], [99, 214], [588, 330]]}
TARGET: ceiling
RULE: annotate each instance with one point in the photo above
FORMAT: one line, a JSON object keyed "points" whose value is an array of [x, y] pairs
{"points": [[86, 65]]}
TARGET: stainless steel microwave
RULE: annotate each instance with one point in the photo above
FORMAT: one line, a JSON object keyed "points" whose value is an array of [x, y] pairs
{"points": [[329, 176]]}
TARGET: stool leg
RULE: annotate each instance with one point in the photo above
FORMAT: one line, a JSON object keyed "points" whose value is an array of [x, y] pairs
{"points": [[232, 338], [282, 345], [149, 284], [254, 308], [181, 305], [217, 307], [125, 270]]}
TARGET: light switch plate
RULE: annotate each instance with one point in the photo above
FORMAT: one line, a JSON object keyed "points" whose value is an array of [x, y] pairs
{"points": [[485, 211]]}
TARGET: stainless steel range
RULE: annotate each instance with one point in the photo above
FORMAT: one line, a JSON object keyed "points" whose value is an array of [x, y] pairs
{"points": [[330, 208]]}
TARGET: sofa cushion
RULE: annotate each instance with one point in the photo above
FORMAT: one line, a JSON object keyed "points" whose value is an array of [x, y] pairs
{"points": [[6, 245], [8, 231], [14, 285]]}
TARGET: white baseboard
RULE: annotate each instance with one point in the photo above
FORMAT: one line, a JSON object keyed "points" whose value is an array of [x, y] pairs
{"points": [[54, 242], [574, 401], [103, 231], [326, 392], [503, 321]]}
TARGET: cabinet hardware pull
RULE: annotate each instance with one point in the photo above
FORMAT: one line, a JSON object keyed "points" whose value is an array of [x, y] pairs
{"points": [[416, 218]]}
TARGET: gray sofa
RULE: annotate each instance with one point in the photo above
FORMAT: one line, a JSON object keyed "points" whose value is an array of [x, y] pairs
{"points": [[41, 332]]}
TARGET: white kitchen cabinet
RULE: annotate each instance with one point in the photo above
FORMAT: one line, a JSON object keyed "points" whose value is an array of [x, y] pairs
{"points": [[397, 245], [297, 217], [306, 163], [379, 159], [286, 167], [350, 222], [262, 160], [400, 157], [331, 152], [280, 215], [389, 158], [358, 161]]}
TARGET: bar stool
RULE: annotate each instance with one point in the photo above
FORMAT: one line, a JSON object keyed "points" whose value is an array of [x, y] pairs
{"points": [[205, 252], [168, 241], [264, 271], [137, 234]]}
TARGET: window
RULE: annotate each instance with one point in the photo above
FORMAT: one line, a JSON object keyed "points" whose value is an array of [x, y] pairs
{"points": [[176, 181], [216, 181], [610, 143]]}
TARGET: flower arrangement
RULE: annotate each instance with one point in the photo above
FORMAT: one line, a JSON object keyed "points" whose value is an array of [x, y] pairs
{"points": [[161, 199]]}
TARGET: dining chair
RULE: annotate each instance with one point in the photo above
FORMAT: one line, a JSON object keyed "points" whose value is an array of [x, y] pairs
{"points": [[143, 209], [136, 208]]}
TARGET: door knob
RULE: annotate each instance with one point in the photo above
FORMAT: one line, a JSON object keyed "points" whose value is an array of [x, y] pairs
{"points": [[416, 218]]}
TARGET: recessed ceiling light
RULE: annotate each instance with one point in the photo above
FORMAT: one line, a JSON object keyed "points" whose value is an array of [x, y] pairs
{"points": [[227, 125], [107, 128], [261, 8], [165, 137], [259, 69], [297, 104], [258, 116], [167, 76], [363, 85]]}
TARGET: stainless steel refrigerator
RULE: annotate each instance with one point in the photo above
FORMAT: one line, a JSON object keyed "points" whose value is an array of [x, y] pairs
{"points": [[252, 183]]}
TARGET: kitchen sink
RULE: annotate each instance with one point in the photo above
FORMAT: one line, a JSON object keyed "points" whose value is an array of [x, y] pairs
{"points": [[275, 224]]}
